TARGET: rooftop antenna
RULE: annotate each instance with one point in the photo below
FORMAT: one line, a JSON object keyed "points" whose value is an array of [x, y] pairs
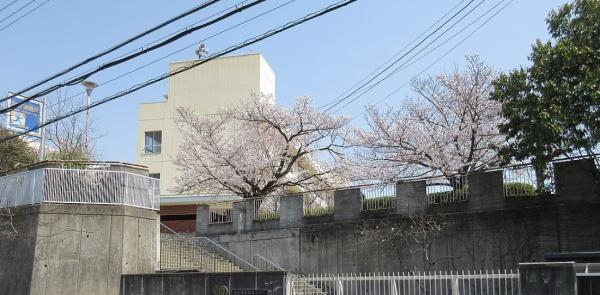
{"points": [[202, 52]]}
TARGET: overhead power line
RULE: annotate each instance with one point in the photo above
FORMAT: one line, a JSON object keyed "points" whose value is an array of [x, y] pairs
{"points": [[24, 15], [393, 56], [381, 72], [114, 48], [17, 11], [441, 57], [105, 66], [192, 65], [406, 64], [179, 50], [8, 5]]}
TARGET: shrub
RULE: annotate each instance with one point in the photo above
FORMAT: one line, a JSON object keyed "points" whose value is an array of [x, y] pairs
{"points": [[519, 189], [319, 211], [379, 203]]}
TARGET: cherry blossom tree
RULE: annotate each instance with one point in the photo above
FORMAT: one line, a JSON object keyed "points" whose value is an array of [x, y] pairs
{"points": [[259, 149], [449, 127]]}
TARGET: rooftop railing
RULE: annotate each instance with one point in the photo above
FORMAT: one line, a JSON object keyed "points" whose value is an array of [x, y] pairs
{"points": [[83, 186]]}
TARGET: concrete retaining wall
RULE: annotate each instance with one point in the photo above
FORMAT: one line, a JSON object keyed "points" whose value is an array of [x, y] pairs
{"points": [[488, 231], [77, 249], [204, 283]]}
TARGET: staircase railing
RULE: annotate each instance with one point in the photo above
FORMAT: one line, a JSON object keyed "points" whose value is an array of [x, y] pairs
{"points": [[265, 264], [200, 253]]}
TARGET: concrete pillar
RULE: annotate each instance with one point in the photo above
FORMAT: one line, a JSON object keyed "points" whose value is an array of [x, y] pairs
{"points": [[249, 218], [202, 219], [575, 181], [348, 204], [292, 211], [486, 190], [238, 216], [411, 198], [548, 278]]}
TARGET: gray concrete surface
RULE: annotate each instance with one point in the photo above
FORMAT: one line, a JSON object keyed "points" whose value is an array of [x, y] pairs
{"points": [[203, 283], [488, 231], [548, 278], [77, 249]]}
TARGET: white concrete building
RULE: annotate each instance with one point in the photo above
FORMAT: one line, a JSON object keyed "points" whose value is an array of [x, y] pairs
{"points": [[205, 89]]}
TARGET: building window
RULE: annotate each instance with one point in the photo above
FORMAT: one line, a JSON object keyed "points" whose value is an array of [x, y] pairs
{"points": [[154, 175], [152, 140]]}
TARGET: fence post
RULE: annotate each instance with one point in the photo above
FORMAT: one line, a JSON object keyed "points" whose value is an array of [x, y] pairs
{"points": [[411, 197], [291, 211], [576, 181], [202, 219], [548, 278], [249, 204], [238, 216], [486, 190], [348, 204]]}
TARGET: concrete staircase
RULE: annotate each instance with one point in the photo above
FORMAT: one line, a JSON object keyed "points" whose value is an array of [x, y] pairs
{"points": [[198, 254]]}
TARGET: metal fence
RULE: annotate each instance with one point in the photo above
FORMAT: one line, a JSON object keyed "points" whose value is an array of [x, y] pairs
{"points": [[266, 208], [319, 203], [378, 197], [522, 181], [219, 215], [443, 190], [426, 283], [23, 188], [55, 185]]}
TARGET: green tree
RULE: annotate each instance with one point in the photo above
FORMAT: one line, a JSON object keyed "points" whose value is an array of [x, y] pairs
{"points": [[552, 108], [15, 153]]}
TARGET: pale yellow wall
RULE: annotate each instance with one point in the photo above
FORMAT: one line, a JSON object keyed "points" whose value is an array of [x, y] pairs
{"points": [[205, 89]]}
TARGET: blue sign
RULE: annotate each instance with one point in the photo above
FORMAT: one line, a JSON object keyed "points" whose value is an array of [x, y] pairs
{"points": [[25, 117]]}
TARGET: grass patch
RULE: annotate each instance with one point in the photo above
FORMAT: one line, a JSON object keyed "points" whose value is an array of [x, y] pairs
{"points": [[447, 196], [319, 211], [379, 203], [519, 190], [267, 215]]}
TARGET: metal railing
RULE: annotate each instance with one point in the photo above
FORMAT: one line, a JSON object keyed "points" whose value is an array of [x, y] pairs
{"points": [[430, 283], [378, 197], [320, 203], [55, 185], [444, 190], [522, 181], [23, 188], [266, 208], [219, 215], [178, 252], [265, 264]]}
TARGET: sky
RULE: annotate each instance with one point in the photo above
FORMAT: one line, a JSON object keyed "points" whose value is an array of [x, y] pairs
{"points": [[322, 58]]}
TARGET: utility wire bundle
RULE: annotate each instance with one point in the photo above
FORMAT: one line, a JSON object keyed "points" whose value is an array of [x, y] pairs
{"points": [[424, 46], [152, 81]]}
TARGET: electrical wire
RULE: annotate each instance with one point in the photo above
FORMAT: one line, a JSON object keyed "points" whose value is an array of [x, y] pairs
{"points": [[17, 11], [405, 54], [111, 64], [437, 60], [8, 5], [112, 49], [192, 65], [179, 50], [393, 56], [406, 64], [23, 16]]}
